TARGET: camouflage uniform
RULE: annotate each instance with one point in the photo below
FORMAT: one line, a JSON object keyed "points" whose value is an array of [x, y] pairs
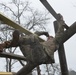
{"points": [[34, 50]]}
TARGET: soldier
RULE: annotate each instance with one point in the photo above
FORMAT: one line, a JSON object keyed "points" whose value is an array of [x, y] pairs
{"points": [[32, 48]]}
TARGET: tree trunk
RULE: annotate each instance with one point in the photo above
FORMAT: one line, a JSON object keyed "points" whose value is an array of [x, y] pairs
{"points": [[38, 70], [10, 66], [47, 69], [7, 61]]}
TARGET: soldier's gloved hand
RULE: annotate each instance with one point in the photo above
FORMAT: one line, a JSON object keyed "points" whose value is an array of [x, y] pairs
{"points": [[60, 17], [42, 33], [4, 45]]}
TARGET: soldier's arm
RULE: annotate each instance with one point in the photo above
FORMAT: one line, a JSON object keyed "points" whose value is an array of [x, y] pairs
{"points": [[60, 18], [42, 33]]}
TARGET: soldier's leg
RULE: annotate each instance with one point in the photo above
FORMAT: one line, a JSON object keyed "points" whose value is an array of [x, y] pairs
{"points": [[15, 39], [12, 43]]}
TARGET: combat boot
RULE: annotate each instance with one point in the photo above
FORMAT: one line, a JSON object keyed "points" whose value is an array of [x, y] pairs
{"points": [[2, 47]]}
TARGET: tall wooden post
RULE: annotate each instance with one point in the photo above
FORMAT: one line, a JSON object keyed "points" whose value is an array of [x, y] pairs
{"points": [[61, 52]]}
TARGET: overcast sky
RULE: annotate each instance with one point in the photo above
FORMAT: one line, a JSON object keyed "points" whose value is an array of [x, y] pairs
{"points": [[67, 9]]}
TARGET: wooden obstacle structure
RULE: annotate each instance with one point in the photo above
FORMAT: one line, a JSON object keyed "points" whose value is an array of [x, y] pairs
{"points": [[61, 51]]}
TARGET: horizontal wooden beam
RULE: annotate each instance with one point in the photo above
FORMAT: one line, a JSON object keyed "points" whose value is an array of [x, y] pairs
{"points": [[6, 73], [12, 56], [13, 24]]}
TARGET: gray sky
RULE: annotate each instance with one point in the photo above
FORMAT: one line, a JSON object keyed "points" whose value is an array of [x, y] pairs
{"points": [[68, 11]]}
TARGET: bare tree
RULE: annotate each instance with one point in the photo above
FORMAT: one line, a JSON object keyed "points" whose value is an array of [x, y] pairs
{"points": [[21, 12]]}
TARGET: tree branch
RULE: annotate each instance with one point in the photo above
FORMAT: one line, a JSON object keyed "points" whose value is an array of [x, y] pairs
{"points": [[23, 9], [9, 9]]}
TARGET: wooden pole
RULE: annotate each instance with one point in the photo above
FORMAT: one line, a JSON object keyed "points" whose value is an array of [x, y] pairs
{"points": [[26, 69], [12, 56], [61, 53], [49, 8], [6, 73], [13, 24]]}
